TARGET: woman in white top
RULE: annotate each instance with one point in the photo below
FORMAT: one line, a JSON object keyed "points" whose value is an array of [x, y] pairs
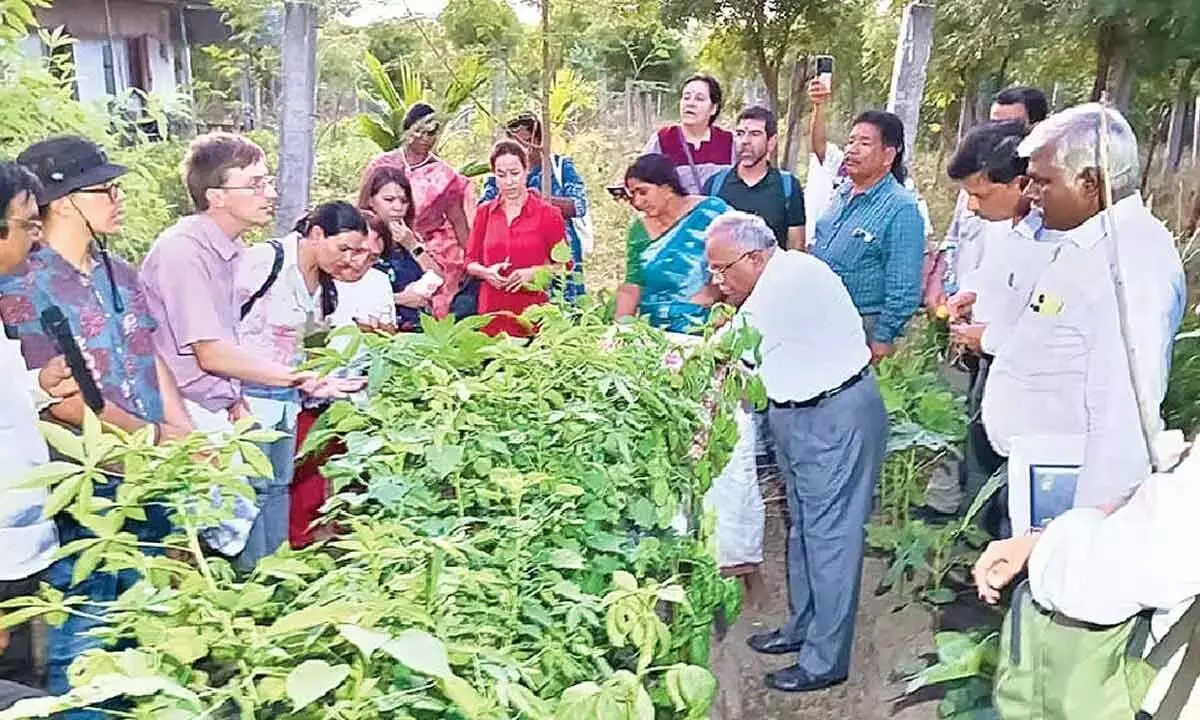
{"points": [[286, 289]]}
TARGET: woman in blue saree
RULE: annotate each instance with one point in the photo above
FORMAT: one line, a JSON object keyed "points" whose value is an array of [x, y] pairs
{"points": [[666, 274]]}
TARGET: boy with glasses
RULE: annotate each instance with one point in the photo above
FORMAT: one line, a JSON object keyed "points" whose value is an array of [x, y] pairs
{"points": [[100, 296]]}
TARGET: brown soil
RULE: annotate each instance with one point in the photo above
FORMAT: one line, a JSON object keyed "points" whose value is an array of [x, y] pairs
{"points": [[885, 638]]}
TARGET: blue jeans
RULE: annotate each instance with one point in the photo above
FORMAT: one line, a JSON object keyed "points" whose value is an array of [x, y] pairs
{"points": [[273, 496], [71, 639]]}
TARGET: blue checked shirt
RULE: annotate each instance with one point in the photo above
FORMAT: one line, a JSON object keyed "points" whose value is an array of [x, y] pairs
{"points": [[875, 242]]}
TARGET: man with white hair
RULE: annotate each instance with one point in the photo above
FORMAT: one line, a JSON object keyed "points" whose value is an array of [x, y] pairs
{"points": [[830, 428], [1064, 372]]}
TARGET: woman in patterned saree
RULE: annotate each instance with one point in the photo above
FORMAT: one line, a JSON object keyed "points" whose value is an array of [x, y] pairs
{"points": [[666, 275], [441, 196]]}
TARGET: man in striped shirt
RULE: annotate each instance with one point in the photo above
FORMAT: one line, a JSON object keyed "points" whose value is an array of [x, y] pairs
{"points": [[873, 235]]}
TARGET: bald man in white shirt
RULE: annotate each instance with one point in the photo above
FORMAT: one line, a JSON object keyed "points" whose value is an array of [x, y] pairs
{"points": [[830, 428]]}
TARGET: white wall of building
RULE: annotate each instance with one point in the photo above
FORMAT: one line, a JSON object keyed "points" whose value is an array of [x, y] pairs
{"points": [[162, 67]]}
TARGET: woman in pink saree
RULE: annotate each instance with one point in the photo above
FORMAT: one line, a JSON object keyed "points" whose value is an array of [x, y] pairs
{"points": [[441, 196]]}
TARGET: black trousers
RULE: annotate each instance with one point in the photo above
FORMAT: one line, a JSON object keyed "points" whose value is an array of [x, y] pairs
{"points": [[981, 461], [17, 660]]}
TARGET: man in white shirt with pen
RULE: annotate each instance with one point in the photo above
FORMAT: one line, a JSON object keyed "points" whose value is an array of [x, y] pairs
{"points": [[830, 428], [1064, 371], [27, 537]]}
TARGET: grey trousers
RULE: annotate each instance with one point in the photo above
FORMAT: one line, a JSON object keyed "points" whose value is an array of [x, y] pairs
{"points": [[830, 456]]}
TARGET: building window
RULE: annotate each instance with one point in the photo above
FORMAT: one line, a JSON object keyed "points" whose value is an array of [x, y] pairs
{"points": [[110, 70]]}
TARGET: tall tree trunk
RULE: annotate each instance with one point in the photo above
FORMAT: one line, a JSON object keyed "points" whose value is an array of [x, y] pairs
{"points": [[1179, 108], [1114, 64], [547, 78], [296, 116], [913, 47], [795, 112]]}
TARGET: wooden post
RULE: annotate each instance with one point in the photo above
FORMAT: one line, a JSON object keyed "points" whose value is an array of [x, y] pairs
{"points": [[1196, 132], [547, 78], [908, 71], [795, 112], [296, 121], [628, 104]]}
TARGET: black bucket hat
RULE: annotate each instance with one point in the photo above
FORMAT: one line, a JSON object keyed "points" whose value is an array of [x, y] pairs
{"points": [[67, 164]]}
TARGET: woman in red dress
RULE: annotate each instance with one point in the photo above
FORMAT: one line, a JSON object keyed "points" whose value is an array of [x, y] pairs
{"points": [[511, 240]]}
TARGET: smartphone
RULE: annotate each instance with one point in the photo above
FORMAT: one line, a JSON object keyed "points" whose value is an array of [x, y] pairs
{"points": [[618, 192], [825, 70], [58, 328]]}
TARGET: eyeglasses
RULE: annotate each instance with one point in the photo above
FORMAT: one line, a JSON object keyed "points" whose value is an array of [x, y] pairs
{"points": [[258, 185], [112, 190], [722, 269]]}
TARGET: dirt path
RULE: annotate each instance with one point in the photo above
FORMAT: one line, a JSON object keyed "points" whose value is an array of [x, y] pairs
{"points": [[883, 639]]}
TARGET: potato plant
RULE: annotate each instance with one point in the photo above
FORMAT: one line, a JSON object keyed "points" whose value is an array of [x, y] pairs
{"points": [[520, 535]]}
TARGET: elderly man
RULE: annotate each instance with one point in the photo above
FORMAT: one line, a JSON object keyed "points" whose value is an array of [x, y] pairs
{"points": [[830, 426], [1064, 370]]}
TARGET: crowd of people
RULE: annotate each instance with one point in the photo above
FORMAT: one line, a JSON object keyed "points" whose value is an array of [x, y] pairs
{"points": [[1062, 289]]}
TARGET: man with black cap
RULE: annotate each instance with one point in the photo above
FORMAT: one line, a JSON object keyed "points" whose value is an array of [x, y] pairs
{"points": [[81, 201]]}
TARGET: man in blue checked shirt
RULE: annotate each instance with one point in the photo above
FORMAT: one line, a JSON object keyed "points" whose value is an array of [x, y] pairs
{"points": [[567, 192], [873, 235]]}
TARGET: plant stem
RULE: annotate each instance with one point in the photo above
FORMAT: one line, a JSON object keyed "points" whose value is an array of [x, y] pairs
{"points": [[201, 563]]}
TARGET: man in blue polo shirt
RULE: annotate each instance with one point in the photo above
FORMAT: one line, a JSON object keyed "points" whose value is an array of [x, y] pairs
{"points": [[873, 235], [754, 187]]}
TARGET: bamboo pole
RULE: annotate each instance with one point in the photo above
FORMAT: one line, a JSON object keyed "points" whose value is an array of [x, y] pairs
{"points": [[1148, 419]]}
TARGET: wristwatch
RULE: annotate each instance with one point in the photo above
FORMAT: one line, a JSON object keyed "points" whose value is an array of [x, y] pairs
{"points": [[417, 251]]}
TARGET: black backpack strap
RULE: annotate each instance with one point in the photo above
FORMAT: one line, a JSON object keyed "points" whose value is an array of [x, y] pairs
{"points": [[276, 266], [1179, 635], [1180, 690]]}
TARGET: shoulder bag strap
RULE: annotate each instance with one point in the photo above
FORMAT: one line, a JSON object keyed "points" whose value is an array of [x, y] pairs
{"points": [[687, 150], [276, 266]]}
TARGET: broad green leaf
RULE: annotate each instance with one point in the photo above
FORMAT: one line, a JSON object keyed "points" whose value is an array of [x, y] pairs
{"points": [[312, 616], [50, 474], [561, 253], [672, 594], [624, 581], [421, 652], [443, 460], [63, 440], [462, 694], [367, 641], [186, 645], [566, 559], [313, 679]]}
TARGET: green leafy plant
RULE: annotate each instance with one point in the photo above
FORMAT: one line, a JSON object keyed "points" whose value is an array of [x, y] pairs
{"points": [[521, 535], [964, 670]]}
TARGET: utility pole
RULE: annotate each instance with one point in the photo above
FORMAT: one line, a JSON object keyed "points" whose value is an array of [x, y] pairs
{"points": [[297, 110], [913, 47]]}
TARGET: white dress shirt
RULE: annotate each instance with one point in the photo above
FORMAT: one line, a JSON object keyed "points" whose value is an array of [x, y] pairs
{"points": [[1063, 370], [812, 335], [1105, 570], [1011, 259], [29, 541], [967, 235]]}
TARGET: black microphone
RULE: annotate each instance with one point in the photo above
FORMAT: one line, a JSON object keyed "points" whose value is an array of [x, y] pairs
{"points": [[58, 328]]}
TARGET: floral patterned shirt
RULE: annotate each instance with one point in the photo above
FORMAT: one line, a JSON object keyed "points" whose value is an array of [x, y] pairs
{"points": [[120, 343]]}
